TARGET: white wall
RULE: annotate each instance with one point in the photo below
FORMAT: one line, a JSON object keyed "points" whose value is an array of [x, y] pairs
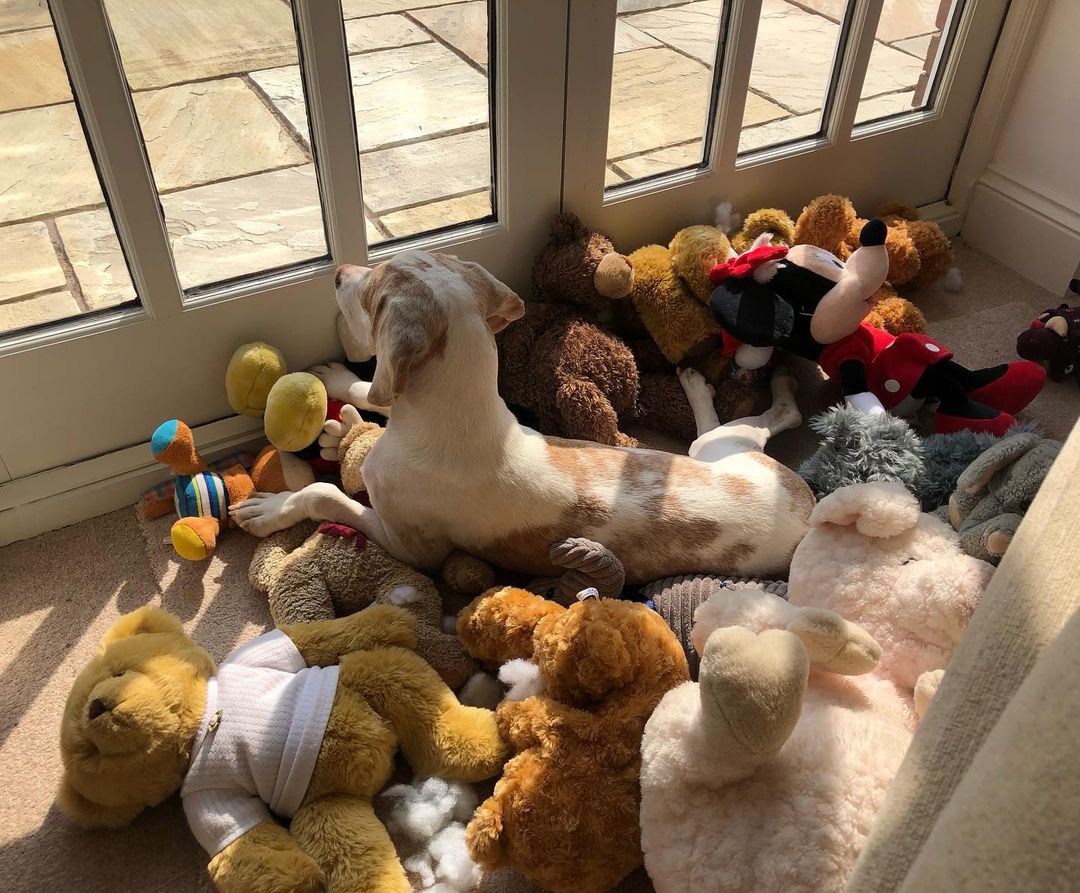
{"points": [[1025, 209]]}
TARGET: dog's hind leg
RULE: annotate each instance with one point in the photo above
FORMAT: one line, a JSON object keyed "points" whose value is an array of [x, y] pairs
{"points": [[750, 433]]}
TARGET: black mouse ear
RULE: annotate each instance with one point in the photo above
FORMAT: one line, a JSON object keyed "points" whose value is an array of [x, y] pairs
{"points": [[751, 312]]}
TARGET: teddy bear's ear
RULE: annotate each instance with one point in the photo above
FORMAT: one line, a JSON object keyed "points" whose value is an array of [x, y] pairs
{"points": [[498, 626], [145, 620], [87, 814], [879, 509]]}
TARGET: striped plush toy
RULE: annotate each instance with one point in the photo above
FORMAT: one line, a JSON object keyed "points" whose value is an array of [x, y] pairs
{"points": [[202, 497]]}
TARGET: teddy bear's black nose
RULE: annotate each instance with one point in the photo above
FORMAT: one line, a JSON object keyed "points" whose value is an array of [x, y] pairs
{"points": [[96, 708]]}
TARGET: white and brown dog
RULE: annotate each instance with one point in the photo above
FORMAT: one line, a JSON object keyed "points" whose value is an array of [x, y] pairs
{"points": [[455, 470]]}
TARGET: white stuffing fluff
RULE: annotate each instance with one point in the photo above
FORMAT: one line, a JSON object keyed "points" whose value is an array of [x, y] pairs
{"points": [[449, 624], [403, 595], [953, 280], [726, 218], [433, 812], [523, 677]]}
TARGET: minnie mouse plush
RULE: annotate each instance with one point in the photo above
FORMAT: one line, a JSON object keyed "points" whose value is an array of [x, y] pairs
{"points": [[807, 301]]}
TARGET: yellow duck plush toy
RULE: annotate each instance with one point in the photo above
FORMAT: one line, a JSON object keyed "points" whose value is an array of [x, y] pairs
{"points": [[302, 723]]}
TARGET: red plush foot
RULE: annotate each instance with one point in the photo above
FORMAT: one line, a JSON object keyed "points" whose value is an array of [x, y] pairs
{"points": [[949, 424], [1015, 389]]}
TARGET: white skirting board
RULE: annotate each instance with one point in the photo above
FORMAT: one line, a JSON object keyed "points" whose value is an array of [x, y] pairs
{"points": [[58, 497], [1024, 229]]}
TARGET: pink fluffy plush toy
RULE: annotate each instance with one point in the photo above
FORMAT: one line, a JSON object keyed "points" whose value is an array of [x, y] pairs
{"points": [[766, 774]]}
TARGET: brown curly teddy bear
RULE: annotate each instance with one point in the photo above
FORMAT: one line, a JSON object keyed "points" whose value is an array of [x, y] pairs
{"points": [[314, 572], [919, 253], [565, 812], [579, 380]]}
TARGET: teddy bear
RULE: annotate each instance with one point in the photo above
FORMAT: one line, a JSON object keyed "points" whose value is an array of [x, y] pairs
{"points": [[565, 812], [316, 572], [994, 492], [767, 773], [301, 724], [557, 362], [919, 254]]}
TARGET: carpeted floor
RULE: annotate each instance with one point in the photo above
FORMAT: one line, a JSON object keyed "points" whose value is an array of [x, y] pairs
{"points": [[60, 591]]}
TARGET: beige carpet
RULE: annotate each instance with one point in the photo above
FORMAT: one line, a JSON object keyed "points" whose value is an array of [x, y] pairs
{"points": [[59, 592]]}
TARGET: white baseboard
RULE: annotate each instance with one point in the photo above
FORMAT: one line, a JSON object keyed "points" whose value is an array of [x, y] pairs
{"points": [[944, 215], [1024, 229], [58, 497]]}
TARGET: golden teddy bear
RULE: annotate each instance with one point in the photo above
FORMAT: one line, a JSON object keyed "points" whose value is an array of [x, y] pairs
{"points": [[316, 572], [919, 253], [302, 723], [565, 812]]}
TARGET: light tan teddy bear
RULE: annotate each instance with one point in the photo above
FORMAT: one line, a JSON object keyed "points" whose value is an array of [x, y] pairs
{"points": [[316, 572]]}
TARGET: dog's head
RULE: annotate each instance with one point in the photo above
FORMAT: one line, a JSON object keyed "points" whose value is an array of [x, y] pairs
{"points": [[406, 310]]}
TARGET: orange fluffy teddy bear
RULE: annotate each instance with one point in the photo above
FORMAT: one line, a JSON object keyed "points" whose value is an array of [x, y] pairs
{"points": [[565, 812], [919, 254]]}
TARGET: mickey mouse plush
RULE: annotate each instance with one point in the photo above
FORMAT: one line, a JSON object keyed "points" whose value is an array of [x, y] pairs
{"points": [[807, 301]]}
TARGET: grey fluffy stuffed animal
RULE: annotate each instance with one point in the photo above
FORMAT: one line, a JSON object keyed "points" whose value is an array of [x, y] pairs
{"points": [[995, 490]]}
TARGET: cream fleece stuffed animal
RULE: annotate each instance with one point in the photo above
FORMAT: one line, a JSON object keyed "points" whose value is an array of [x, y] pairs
{"points": [[767, 774]]}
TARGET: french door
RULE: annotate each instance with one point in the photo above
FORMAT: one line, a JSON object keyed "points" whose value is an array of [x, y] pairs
{"points": [[673, 107], [180, 176]]}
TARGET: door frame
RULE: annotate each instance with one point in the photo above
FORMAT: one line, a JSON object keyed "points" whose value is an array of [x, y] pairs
{"points": [[785, 176], [96, 386]]}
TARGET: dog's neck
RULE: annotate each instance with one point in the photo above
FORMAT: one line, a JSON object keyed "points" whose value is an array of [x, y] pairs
{"points": [[455, 402]]}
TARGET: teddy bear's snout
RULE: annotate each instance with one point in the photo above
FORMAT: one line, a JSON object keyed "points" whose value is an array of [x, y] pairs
{"points": [[96, 708]]}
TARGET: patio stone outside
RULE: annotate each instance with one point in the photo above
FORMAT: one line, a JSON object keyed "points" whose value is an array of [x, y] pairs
{"points": [[216, 86]]}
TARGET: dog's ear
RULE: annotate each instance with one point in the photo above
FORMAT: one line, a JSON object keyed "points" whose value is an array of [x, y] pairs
{"points": [[87, 814], [500, 304], [410, 329], [148, 619]]}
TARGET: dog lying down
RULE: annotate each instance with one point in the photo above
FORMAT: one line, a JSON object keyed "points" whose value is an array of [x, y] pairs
{"points": [[455, 470]]}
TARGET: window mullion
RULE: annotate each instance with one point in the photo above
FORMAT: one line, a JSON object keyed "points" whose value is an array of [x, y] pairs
{"points": [[849, 85], [738, 59], [104, 102], [328, 91], [589, 69]]}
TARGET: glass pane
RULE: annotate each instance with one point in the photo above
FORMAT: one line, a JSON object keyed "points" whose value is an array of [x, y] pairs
{"points": [[662, 86], [795, 61], [422, 96], [235, 173], [909, 46], [59, 255]]}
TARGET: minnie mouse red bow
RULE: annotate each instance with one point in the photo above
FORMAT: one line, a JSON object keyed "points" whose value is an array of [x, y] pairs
{"points": [[742, 266]]}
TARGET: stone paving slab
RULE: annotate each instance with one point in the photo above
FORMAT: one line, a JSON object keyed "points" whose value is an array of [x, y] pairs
{"points": [[399, 94], [164, 43], [463, 209], [661, 161], [464, 26], [355, 8], [28, 261], [628, 38], [23, 312], [783, 130], [884, 106], [46, 165], [19, 14], [96, 259], [427, 171], [197, 133], [33, 72], [692, 28], [382, 33]]}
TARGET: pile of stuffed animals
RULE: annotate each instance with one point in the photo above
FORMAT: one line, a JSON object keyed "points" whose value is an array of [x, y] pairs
{"points": [[726, 734]]}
